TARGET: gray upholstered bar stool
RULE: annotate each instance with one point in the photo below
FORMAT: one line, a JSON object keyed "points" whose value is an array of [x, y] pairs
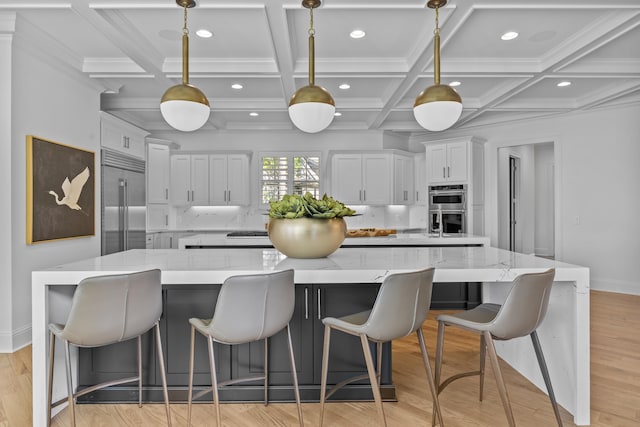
{"points": [[401, 306], [519, 316], [249, 308], [106, 310]]}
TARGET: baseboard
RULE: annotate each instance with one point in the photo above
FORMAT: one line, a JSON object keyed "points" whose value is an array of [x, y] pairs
{"points": [[11, 342], [618, 286]]}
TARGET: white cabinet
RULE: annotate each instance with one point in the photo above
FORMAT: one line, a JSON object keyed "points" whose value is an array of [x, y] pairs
{"points": [[157, 217], [190, 179], [403, 181], [420, 179], [362, 179], [121, 136], [158, 163], [447, 162], [229, 179]]}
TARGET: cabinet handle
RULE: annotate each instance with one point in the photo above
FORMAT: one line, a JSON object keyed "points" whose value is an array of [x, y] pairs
{"points": [[319, 306], [417, 196], [306, 303], [364, 195], [448, 172], [444, 175], [170, 242], [228, 195]]}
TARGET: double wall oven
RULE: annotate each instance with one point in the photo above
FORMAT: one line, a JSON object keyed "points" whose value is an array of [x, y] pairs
{"points": [[447, 209]]}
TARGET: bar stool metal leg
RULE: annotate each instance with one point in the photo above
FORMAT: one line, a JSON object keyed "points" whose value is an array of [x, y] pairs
{"points": [[427, 368], [214, 380], [483, 354], [294, 374], [545, 375], [502, 389], [163, 374], [325, 368], [139, 340], [266, 372], [71, 399], [375, 386], [190, 392]]}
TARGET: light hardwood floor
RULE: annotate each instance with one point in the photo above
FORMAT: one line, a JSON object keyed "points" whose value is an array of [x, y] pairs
{"points": [[615, 387]]}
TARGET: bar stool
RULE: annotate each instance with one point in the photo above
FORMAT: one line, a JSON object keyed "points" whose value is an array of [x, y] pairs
{"points": [[520, 315], [106, 310], [401, 306], [249, 308]]}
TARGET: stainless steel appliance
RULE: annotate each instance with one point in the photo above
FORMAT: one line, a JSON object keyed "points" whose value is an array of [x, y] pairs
{"points": [[447, 209], [123, 202]]}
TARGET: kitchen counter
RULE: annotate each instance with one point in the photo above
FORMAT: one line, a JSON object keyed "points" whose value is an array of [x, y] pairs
{"points": [[221, 240], [564, 334]]}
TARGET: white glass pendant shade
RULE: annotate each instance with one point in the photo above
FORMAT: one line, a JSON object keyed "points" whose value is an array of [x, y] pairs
{"points": [[185, 107], [311, 109], [437, 108]]}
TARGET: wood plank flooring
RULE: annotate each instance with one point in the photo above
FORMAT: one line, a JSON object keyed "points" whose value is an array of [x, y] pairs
{"points": [[615, 387]]}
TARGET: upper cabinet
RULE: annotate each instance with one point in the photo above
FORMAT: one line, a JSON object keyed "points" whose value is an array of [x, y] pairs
{"points": [[403, 193], [420, 179], [361, 179], [229, 179], [374, 178], [447, 162], [190, 179], [158, 163], [118, 135]]}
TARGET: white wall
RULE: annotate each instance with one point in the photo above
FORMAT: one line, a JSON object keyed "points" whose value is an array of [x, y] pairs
{"points": [[49, 103], [544, 207], [596, 155]]}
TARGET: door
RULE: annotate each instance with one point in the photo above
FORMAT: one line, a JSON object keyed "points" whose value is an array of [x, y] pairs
{"points": [[218, 179], [238, 180], [158, 178], [200, 180], [181, 179], [376, 178], [346, 178], [457, 161]]}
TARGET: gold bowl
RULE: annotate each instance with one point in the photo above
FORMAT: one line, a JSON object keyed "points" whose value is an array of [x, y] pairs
{"points": [[307, 237]]}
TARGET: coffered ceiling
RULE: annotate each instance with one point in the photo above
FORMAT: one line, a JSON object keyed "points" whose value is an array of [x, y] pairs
{"points": [[130, 51]]}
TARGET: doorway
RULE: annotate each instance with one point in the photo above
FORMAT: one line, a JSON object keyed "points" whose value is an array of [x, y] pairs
{"points": [[526, 211]]}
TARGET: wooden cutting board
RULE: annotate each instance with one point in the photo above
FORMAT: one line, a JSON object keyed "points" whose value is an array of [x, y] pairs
{"points": [[370, 232]]}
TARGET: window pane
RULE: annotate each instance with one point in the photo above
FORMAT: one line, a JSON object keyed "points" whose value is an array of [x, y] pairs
{"points": [[306, 175], [274, 178]]}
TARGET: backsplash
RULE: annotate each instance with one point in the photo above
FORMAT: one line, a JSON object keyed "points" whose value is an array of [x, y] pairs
{"points": [[243, 217]]}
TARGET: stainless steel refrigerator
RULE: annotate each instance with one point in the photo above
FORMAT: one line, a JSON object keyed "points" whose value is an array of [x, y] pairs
{"points": [[123, 202]]}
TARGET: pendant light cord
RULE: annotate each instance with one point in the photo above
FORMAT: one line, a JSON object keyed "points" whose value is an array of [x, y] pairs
{"points": [[436, 51], [312, 50], [185, 50]]}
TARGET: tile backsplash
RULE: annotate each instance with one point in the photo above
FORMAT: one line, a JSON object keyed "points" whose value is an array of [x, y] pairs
{"points": [[243, 217]]}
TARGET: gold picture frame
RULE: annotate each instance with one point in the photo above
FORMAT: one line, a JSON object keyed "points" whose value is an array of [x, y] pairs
{"points": [[60, 191]]}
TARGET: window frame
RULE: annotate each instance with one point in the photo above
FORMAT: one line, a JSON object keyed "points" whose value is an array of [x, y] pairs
{"points": [[290, 155]]}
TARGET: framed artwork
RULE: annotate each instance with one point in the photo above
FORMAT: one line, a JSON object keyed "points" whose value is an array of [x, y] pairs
{"points": [[60, 191]]}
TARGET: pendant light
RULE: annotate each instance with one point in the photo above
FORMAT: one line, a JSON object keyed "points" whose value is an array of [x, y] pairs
{"points": [[311, 108], [437, 107], [184, 106]]}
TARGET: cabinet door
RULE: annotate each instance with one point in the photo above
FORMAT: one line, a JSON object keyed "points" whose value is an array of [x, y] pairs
{"points": [[238, 180], [157, 217], [376, 178], [457, 161], [437, 163], [403, 180], [345, 351], [200, 179], [157, 177], [420, 179], [181, 179], [346, 178], [135, 144], [218, 179], [250, 357], [180, 306]]}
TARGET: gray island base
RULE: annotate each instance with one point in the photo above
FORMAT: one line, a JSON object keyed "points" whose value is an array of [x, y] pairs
{"points": [[342, 283]]}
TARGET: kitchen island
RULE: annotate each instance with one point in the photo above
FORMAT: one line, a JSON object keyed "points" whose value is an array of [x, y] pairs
{"points": [[564, 334]]}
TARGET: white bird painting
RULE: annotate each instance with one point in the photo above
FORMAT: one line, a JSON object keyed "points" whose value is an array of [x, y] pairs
{"points": [[72, 190]]}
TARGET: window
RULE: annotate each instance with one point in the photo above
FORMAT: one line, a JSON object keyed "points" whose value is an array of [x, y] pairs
{"points": [[289, 173]]}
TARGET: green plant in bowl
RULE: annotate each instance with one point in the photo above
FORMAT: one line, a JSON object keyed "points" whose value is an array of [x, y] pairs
{"points": [[294, 206]]}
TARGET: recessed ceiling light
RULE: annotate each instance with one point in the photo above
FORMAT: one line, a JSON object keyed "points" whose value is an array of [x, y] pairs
{"points": [[455, 83], [205, 34], [337, 114], [254, 114], [344, 86], [237, 86], [564, 84], [509, 35], [357, 34]]}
